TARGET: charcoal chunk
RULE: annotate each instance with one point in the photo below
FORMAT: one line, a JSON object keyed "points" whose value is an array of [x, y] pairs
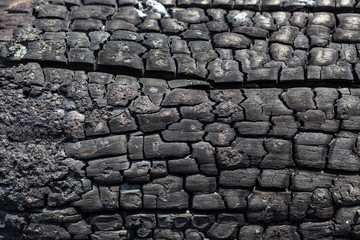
{"points": [[346, 191], [110, 234], [128, 14], [188, 66], [178, 221], [203, 152], [321, 204], [143, 104], [208, 202], [114, 145], [183, 166], [231, 40], [286, 35], [135, 147], [95, 126], [342, 156], [310, 156], [140, 221], [252, 128], [81, 55], [184, 97], [264, 74], [121, 59], [90, 201], [201, 112], [239, 178], [335, 72], [105, 2], [50, 10], [346, 35], [109, 197], [50, 231], [280, 154], [282, 231], [219, 134], [160, 61], [155, 148], [97, 38], [186, 131], [64, 215], [165, 233], [348, 30], [77, 40], [299, 99], [224, 71], [280, 52], [130, 197], [124, 54], [231, 158], [319, 35], [292, 74], [284, 126], [300, 203], [123, 90], [171, 25], [235, 199], [256, 32], [200, 183], [138, 172], [158, 169], [274, 178], [123, 35], [267, 206], [55, 25], [323, 56], [92, 11], [202, 222], [196, 34], [173, 200], [190, 15], [156, 41], [197, 3], [312, 230], [118, 24], [154, 88], [87, 25], [107, 222], [79, 230], [223, 230], [312, 119], [179, 46], [252, 149], [344, 219], [251, 232], [107, 170], [309, 181], [158, 121], [122, 121]]}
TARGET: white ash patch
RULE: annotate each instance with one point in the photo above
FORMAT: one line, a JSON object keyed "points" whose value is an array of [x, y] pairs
{"points": [[241, 17], [151, 5], [308, 3]]}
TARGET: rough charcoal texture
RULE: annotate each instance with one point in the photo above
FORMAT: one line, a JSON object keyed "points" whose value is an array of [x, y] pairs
{"points": [[211, 119]]}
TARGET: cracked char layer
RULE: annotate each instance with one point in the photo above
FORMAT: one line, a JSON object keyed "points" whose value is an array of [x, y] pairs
{"points": [[144, 119], [91, 155]]}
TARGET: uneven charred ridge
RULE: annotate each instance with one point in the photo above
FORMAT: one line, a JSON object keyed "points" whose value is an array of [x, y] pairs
{"points": [[222, 45], [134, 152]]}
